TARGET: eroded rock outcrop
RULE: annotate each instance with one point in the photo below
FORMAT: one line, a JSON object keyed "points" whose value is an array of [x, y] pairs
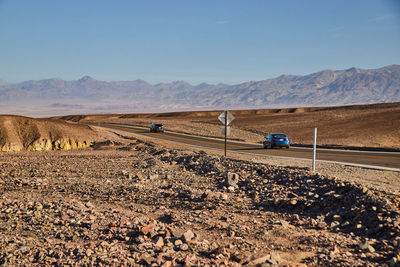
{"points": [[21, 133]]}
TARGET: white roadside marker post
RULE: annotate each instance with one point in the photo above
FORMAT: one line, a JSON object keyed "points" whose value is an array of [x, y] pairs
{"points": [[226, 130], [314, 149]]}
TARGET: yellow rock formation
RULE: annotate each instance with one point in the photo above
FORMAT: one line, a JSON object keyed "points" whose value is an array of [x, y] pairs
{"points": [[21, 133]]}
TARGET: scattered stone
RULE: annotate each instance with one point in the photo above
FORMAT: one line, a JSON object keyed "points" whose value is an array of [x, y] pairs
{"points": [[188, 236], [224, 197], [284, 223], [153, 176], [366, 246], [159, 241], [148, 228], [273, 258], [393, 262], [178, 242], [184, 247], [167, 264], [385, 202], [231, 179]]}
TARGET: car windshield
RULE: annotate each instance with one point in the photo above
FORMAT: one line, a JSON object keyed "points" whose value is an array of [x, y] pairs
{"points": [[278, 136], [157, 125]]}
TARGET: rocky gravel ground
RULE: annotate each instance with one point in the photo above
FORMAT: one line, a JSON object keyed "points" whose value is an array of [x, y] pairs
{"points": [[135, 203]]}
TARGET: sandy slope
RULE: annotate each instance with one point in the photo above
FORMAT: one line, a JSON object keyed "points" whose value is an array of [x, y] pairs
{"points": [[22, 133]]}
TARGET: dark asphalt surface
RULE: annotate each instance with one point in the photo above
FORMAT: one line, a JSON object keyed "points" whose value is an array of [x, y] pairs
{"points": [[379, 159]]}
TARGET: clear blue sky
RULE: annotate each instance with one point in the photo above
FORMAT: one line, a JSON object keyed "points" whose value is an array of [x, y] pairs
{"points": [[194, 40]]}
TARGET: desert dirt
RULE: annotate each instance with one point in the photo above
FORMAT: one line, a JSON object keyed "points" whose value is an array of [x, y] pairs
{"points": [[359, 126], [130, 200]]}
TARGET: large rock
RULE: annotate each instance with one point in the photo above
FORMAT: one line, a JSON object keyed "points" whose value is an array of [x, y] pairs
{"points": [[231, 179]]}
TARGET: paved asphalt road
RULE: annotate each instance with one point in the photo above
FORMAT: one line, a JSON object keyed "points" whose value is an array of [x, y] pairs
{"points": [[379, 159]]}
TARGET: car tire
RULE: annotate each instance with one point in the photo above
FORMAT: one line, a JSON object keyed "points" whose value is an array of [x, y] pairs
{"points": [[287, 147]]}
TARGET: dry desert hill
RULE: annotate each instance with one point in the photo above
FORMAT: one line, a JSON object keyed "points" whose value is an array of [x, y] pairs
{"points": [[22, 133]]}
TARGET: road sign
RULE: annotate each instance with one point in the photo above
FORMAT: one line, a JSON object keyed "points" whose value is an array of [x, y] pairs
{"points": [[228, 130], [226, 117], [229, 118]]}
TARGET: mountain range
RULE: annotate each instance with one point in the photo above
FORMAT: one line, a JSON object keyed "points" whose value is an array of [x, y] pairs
{"points": [[88, 95]]}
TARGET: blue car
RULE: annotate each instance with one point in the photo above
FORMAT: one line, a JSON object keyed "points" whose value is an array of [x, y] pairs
{"points": [[276, 140]]}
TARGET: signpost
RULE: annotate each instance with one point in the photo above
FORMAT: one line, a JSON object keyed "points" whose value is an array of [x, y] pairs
{"points": [[226, 118]]}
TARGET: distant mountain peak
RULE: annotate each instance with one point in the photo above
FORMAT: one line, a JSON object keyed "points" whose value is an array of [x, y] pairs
{"points": [[203, 84], [179, 82], [392, 67], [354, 70], [86, 78]]}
